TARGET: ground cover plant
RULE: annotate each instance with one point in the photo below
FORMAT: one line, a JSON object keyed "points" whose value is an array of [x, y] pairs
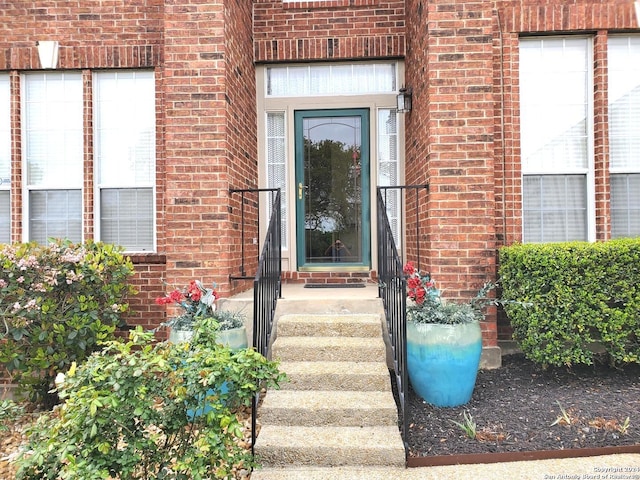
{"points": [[146, 410], [521, 407]]}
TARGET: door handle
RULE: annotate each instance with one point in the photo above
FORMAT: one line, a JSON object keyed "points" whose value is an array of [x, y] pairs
{"points": [[300, 190]]}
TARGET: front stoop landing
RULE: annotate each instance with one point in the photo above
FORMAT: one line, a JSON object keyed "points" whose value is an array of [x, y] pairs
{"points": [[337, 409]]}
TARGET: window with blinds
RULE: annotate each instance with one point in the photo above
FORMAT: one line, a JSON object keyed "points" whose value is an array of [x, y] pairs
{"points": [[5, 159], [53, 155], [389, 166], [556, 134], [624, 134], [277, 166], [124, 152]]}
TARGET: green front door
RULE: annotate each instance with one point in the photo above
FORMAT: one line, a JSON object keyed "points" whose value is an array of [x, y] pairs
{"points": [[332, 189]]}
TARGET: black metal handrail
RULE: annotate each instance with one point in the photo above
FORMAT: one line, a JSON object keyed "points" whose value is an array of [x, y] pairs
{"points": [[392, 289], [267, 288]]}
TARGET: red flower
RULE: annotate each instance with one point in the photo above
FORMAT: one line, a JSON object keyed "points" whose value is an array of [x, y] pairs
{"points": [[409, 269], [176, 296], [195, 293]]}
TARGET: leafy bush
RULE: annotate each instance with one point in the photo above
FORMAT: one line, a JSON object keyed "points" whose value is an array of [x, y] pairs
{"points": [[129, 412], [564, 299], [57, 302], [9, 410]]}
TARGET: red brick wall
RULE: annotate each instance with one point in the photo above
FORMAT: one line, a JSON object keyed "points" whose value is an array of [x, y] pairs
{"points": [[242, 141], [211, 136], [328, 30], [450, 135], [92, 34]]}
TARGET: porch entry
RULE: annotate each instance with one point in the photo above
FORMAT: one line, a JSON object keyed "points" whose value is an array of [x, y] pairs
{"points": [[333, 226]]}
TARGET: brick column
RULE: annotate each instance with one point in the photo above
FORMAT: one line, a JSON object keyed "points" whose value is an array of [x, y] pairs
{"points": [[450, 143]]}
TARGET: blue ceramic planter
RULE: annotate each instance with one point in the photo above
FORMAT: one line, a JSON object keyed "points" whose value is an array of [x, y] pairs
{"points": [[443, 360], [235, 338]]}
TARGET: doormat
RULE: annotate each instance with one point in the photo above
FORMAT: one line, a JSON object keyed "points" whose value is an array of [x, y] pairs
{"points": [[334, 285]]}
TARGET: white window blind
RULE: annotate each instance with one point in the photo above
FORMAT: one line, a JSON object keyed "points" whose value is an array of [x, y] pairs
{"points": [[389, 166], [124, 133], [53, 152], [5, 159], [624, 134], [316, 80], [555, 137], [277, 165]]}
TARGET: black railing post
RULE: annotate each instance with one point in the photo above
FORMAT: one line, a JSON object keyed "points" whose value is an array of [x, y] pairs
{"points": [[392, 289], [267, 282]]}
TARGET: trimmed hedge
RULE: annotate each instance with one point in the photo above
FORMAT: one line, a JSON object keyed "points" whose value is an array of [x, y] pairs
{"points": [[563, 299]]}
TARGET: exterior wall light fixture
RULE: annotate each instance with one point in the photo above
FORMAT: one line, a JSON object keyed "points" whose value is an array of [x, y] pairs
{"points": [[48, 53], [403, 100]]}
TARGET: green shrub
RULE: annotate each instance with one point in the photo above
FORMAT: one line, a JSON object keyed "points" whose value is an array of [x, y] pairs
{"points": [[9, 411], [57, 302], [129, 412], [564, 299]]}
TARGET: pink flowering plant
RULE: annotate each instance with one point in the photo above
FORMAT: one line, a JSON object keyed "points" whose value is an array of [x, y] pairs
{"points": [[197, 303], [425, 303], [58, 302]]}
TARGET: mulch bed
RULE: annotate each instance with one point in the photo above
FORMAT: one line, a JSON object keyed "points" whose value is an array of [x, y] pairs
{"points": [[522, 408]]}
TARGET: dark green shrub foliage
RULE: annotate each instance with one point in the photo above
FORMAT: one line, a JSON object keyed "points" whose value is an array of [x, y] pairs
{"points": [[126, 412], [563, 298], [57, 302]]}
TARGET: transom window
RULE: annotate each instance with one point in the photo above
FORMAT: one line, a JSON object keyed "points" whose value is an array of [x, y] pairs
{"points": [[340, 79]]}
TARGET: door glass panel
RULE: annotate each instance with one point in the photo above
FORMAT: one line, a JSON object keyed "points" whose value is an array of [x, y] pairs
{"points": [[331, 190]]}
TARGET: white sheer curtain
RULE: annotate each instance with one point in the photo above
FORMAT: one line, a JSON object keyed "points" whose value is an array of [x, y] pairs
{"points": [[389, 166], [624, 134], [555, 135], [125, 157], [53, 152], [341, 79], [5, 159], [277, 165]]}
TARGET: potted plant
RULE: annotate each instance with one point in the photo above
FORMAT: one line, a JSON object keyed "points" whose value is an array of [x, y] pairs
{"points": [[444, 341], [198, 304]]}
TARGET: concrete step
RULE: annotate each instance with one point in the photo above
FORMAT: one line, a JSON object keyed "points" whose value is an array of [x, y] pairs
{"points": [[352, 325], [358, 376], [333, 349], [281, 446], [327, 408], [359, 472]]}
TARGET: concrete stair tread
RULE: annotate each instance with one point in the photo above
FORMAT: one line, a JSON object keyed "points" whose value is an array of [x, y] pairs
{"points": [[350, 325], [322, 399], [346, 375], [335, 368], [329, 349], [329, 446], [334, 408], [338, 437]]}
